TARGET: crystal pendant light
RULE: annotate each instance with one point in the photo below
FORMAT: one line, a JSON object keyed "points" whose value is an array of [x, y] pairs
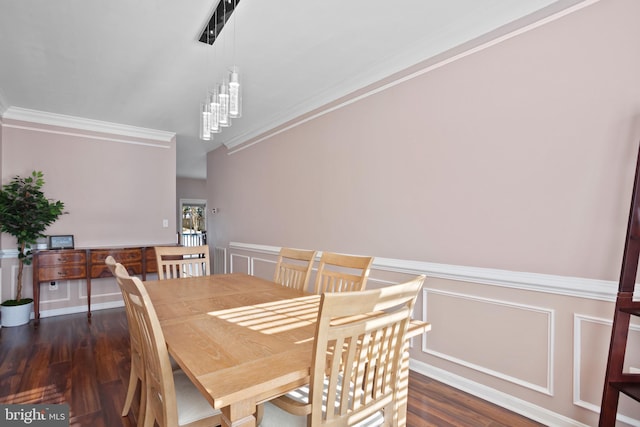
{"points": [[205, 121], [223, 97], [215, 112], [235, 94], [224, 102]]}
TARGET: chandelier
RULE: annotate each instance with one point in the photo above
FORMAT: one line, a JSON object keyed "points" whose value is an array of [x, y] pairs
{"points": [[223, 101]]}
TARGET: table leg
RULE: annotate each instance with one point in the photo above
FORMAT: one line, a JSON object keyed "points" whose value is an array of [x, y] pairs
{"points": [[259, 413], [36, 293], [240, 414], [36, 304], [89, 297]]}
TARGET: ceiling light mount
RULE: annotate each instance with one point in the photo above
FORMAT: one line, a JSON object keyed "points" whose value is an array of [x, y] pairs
{"points": [[218, 20]]}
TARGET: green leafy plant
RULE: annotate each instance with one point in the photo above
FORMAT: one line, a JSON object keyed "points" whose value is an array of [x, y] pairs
{"points": [[25, 213]]}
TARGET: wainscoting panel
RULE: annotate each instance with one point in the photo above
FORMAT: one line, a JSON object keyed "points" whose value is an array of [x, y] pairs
{"points": [[263, 267], [71, 295], [533, 343], [62, 294], [240, 264], [591, 345], [480, 331], [219, 260], [100, 288]]}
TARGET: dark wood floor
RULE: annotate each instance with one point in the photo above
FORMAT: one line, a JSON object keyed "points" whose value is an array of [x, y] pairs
{"points": [[68, 360]]}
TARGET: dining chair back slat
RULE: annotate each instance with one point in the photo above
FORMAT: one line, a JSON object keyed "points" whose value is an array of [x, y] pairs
{"points": [[182, 261], [293, 268], [360, 353], [359, 346], [342, 273]]}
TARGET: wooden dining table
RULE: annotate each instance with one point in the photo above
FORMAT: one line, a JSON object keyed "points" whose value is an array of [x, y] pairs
{"points": [[242, 340]]}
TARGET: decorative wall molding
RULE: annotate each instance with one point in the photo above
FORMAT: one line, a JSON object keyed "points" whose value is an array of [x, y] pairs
{"points": [[82, 124], [248, 261], [252, 247], [551, 327], [587, 289], [219, 260], [82, 296], [8, 253], [13, 252], [63, 294], [504, 400], [259, 260], [578, 321], [66, 297], [601, 290]]}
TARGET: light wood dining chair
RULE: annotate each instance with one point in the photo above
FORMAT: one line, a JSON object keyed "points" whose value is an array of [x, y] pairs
{"points": [[356, 370], [182, 261], [342, 273], [171, 399], [136, 375], [293, 268]]}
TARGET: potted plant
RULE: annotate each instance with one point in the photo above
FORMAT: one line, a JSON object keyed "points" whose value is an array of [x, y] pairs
{"points": [[25, 213]]}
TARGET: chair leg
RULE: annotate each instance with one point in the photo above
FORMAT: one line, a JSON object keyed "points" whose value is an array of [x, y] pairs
{"points": [[148, 421], [143, 403], [131, 391]]}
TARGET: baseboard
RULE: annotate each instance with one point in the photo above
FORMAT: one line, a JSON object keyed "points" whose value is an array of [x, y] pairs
{"points": [[79, 309]]}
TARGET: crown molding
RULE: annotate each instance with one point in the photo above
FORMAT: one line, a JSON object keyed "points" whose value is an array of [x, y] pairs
{"points": [[53, 119]]}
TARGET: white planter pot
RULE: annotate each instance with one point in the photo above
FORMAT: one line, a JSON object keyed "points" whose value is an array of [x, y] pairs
{"points": [[16, 315]]}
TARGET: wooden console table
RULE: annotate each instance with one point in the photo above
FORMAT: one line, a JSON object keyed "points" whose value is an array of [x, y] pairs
{"points": [[77, 264]]}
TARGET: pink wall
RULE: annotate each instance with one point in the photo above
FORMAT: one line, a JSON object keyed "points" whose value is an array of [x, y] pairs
{"points": [[517, 157], [117, 190], [115, 193], [190, 188]]}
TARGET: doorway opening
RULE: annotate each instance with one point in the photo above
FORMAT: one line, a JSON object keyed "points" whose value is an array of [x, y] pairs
{"points": [[193, 223]]}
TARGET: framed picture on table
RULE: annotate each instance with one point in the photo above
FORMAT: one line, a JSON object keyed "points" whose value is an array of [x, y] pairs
{"points": [[61, 242]]}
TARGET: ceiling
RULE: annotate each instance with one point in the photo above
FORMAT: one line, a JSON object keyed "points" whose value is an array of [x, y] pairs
{"points": [[140, 63]]}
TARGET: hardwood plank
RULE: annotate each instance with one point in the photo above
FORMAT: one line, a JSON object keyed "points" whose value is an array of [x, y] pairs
{"points": [[69, 360], [84, 382], [434, 403]]}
